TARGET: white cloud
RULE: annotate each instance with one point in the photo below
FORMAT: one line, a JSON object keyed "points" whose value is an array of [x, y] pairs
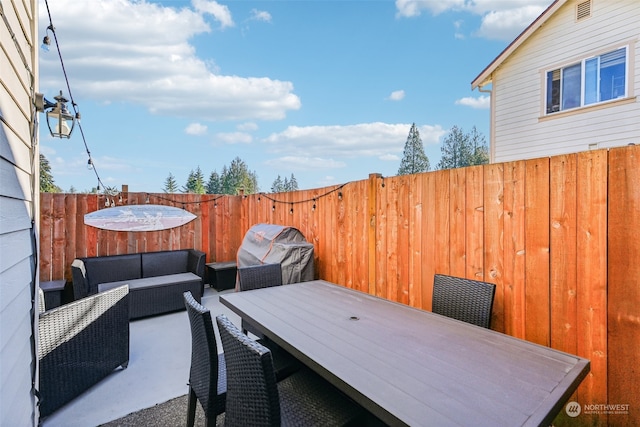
{"points": [[458, 33], [397, 95], [248, 126], [234, 138], [196, 129], [501, 19], [507, 24], [480, 103], [220, 12], [140, 53], [260, 15], [305, 163], [318, 144]]}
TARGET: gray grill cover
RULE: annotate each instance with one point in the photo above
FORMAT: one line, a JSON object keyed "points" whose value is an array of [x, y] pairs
{"points": [[271, 244]]}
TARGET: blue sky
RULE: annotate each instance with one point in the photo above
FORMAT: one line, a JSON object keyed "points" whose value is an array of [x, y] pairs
{"points": [[324, 90]]}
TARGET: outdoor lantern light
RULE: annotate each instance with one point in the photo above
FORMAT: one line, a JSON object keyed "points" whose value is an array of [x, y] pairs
{"points": [[59, 120]]}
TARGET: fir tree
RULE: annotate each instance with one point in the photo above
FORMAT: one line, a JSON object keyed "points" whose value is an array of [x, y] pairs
{"points": [[480, 151], [414, 160], [214, 185], [460, 150], [170, 184], [277, 186], [238, 177], [195, 182], [47, 184]]}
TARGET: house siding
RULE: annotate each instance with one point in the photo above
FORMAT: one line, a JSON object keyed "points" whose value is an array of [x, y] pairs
{"points": [[18, 208], [521, 130]]}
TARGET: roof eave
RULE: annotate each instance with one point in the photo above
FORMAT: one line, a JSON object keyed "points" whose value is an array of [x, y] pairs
{"points": [[486, 76]]}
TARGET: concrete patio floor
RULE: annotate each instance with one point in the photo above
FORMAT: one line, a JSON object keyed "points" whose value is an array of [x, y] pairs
{"points": [[159, 358]]}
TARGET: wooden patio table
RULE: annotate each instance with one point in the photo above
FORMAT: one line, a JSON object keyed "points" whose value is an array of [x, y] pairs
{"points": [[409, 366]]}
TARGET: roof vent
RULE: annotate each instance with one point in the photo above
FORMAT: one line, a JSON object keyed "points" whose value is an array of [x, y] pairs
{"points": [[583, 10]]}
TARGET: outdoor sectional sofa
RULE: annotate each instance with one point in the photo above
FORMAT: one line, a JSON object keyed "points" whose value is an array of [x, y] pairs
{"points": [[156, 280]]}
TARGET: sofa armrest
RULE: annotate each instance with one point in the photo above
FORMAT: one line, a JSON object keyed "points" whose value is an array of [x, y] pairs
{"points": [[79, 344], [80, 281], [196, 262]]}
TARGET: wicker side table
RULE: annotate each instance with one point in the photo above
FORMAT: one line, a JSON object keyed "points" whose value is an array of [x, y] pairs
{"points": [[222, 275]]}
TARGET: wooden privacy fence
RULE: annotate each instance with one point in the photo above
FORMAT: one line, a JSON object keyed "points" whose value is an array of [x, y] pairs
{"points": [[558, 237]]}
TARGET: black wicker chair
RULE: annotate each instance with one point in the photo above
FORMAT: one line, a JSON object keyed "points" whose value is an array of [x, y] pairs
{"points": [[255, 398], [257, 277], [207, 376], [265, 276], [463, 299], [79, 344]]}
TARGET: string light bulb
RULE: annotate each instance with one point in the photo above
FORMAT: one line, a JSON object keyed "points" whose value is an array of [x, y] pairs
{"points": [[46, 41], [90, 164]]}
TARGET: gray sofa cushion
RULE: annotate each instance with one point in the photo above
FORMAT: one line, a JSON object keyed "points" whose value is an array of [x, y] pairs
{"points": [[163, 263], [151, 282]]}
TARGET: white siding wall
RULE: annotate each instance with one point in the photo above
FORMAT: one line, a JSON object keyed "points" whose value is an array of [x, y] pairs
{"points": [[18, 206], [518, 85]]}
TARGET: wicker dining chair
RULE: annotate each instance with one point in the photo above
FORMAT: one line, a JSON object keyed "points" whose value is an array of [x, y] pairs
{"points": [[208, 373], [255, 398], [265, 276], [463, 299], [257, 277]]}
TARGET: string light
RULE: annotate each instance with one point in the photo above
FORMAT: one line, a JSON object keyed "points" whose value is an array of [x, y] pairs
{"points": [[46, 43], [273, 200]]}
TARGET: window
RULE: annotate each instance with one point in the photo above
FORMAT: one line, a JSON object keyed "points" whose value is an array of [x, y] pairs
{"points": [[593, 80]]}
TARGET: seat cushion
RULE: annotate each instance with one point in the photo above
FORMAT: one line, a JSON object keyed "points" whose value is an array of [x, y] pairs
{"points": [[152, 282], [163, 263]]}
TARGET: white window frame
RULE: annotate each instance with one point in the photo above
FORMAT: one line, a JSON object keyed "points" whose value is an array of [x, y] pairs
{"points": [[560, 70]]}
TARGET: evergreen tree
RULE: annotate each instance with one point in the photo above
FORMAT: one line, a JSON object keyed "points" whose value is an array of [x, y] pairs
{"points": [[414, 160], [277, 186], [237, 177], [461, 150], [480, 151], [195, 182], [170, 184], [72, 190], [293, 184], [47, 184], [214, 185], [281, 186]]}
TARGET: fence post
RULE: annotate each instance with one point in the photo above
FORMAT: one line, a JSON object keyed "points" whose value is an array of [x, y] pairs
{"points": [[372, 210]]}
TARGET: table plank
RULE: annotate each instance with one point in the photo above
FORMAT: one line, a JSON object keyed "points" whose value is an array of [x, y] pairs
{"points": [[408, 366]]}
